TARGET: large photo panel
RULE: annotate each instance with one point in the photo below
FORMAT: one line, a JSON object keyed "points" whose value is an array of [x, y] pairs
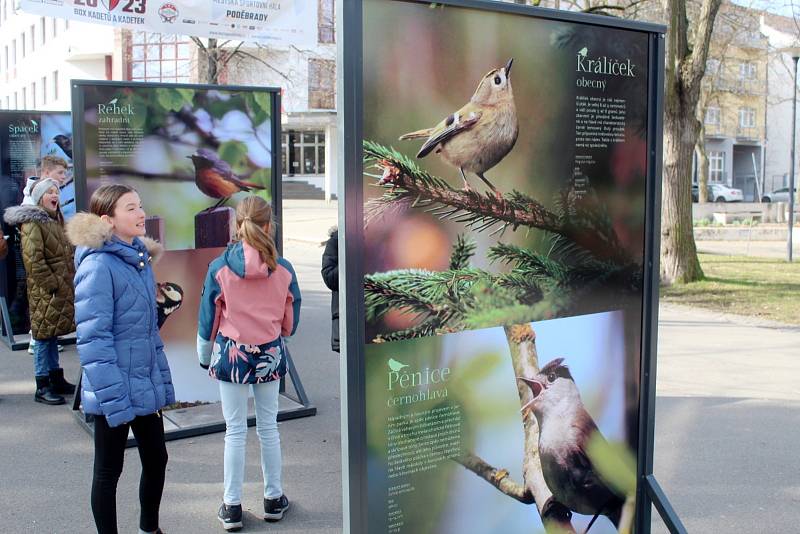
{"points": [[26, 137], [192, 152], [505, 163]]}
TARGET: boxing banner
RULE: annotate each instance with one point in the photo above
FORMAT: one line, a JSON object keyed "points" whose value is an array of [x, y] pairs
{"points": [[272, 22]]}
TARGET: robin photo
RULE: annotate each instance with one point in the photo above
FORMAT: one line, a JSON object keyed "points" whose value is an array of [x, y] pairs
{"points": [[215, 177]]}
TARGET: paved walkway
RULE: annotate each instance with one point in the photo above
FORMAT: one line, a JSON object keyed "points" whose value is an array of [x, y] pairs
{"points": [[728, 424]]}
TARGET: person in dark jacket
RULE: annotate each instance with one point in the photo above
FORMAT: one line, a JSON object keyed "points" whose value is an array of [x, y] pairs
{"points": [[250, 302], [330, 275], [126, 378], [47, 255]]}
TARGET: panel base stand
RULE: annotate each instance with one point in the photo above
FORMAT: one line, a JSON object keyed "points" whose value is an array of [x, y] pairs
{"points": [[658, 498]]}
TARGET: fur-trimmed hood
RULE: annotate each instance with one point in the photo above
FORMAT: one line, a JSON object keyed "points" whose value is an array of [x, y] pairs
{"points": [[90, 232], [17, 215]]}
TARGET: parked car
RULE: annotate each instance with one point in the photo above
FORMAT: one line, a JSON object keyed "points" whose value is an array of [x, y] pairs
{"points": [[723, 193], [779, 195], [719, 193]]}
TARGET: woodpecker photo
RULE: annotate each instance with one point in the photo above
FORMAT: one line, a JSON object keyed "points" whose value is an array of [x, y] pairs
{"points": [[169, 297]]}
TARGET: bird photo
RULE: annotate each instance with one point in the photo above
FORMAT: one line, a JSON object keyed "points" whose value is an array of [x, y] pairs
{"points": [[565, 429], [480, 134], [215, 177], [169, 297]]}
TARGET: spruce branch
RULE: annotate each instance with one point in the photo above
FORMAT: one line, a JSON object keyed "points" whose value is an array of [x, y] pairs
{"points": [[463, 250], [406, 185]]}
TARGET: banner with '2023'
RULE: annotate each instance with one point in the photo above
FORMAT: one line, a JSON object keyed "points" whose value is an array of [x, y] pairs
{"points": [[274, 22]]}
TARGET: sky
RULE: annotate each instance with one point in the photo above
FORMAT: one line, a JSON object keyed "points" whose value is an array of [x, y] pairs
{"points": [[781, 7]]}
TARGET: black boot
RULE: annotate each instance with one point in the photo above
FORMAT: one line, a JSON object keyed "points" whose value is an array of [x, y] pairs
{"points": [[59, 385], [44, 393]]}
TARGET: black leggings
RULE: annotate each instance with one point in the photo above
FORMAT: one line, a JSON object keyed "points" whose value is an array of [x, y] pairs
{"points": [[109, 454]]}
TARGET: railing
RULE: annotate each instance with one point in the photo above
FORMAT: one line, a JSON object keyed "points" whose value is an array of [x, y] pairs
{"points": [[747, 133]]}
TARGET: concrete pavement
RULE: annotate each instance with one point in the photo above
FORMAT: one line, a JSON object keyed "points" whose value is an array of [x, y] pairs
{"points": [[728, 421]]}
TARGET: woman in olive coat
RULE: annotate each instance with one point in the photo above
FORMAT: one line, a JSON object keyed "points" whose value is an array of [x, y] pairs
{"points": [[48, 258]]}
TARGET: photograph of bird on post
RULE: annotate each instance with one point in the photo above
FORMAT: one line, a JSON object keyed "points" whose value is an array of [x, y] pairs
{"points": [[190, 151], [506, 168]]}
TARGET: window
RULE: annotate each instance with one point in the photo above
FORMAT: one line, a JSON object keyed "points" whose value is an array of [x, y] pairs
{"points": [[55, 27], [712, 116], [55, 85], [747, 118], [44, 90], [716, 166], [24, 98], [14, 52], [161, 58], [16, 101], [325, 22], [33, 95], [24, 40], [42, 27], [321, 84], [303, 153], [747, 70], [33, 37]]}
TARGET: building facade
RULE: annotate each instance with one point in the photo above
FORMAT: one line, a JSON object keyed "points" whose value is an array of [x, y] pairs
{"points": [[782, 33], [39, 56], [735, 97]]}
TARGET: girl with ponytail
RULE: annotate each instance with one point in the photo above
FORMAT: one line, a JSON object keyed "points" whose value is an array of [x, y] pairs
{"points": [[250, 301]]}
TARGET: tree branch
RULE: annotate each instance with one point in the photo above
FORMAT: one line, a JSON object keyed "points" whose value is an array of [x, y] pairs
{"points": [[408, 185], [256, 58], [498, 478]]}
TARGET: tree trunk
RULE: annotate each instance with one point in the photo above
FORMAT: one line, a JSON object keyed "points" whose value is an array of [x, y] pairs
{"points": [[212, 53], [702, 168], [679, 263]]}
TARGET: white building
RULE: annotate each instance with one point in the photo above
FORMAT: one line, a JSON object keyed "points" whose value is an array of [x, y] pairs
{"points": [[40, 55], [782, 32]]}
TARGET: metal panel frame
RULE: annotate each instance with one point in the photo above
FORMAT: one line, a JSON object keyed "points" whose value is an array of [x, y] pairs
{"points": [[350, 121]]}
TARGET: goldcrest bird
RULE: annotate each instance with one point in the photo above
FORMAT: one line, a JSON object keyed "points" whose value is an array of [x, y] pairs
{"points": [[479, 135], [565, 428]]}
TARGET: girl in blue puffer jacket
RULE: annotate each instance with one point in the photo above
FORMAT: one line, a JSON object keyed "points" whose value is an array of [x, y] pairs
{"points": [[126, 379]]}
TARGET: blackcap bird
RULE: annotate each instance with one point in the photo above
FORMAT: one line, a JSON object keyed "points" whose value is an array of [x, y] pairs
{"points": [[479, 135], [565, 428]]}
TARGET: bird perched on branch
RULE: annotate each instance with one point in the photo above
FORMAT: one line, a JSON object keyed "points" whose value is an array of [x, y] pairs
{"points": [[565, 429], [479, 135], [215, 177]]}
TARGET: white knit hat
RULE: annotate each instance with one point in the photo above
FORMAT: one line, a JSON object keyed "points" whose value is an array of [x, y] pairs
{"points": [[38, 191]]}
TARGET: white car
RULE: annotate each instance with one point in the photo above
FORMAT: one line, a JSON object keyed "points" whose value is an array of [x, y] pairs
{"points": [[723, 193], [779, 195]]}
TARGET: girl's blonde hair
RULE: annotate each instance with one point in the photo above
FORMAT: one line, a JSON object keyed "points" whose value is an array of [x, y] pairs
{"points": [[252, 215]]}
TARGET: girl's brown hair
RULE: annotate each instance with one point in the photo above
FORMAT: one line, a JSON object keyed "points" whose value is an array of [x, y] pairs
{"points": [[59, 215], [105, 198], [252, 215]]}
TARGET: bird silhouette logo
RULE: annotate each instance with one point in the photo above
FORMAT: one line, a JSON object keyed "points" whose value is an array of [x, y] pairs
{"points": [[396, 366], [112, 101], [215, 177], [583, 51], [480, 134]]}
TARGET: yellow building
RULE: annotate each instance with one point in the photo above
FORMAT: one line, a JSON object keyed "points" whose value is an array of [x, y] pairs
{"points": [[735, 96]]}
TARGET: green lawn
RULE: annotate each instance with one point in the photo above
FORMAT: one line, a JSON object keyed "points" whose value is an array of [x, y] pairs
{"points": [[760, 287]]}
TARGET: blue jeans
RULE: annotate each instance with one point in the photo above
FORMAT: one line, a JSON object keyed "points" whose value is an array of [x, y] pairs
{"points": [[234, 409], [45, 356]]}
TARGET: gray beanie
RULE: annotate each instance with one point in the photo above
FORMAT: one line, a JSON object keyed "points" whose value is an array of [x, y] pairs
{"points": [[38, 191]]}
